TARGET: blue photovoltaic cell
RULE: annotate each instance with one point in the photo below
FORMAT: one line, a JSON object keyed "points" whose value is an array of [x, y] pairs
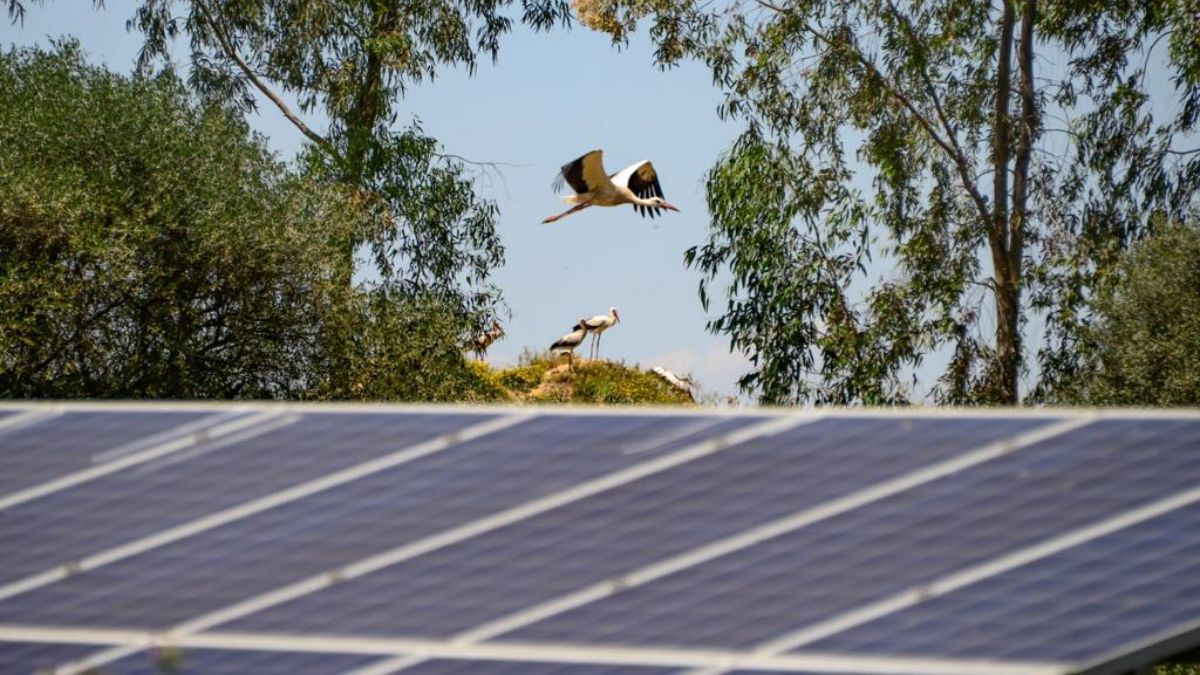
{"points": [[1075, 606], [62, 444], [26, 658], [619, 530], [751, 596], [147, 498], [234, 662], [369, 515]]}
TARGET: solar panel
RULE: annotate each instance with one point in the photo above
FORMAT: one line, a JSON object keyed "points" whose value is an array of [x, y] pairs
{"points": [[360, 518], [800, 578], [50, 444], [23, 658], [244, 662], [313, 539], [1137, 582], [618, 531], [234, 662], [198, 480]]}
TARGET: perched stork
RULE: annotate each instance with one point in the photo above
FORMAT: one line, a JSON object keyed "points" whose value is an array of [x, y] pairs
{"points": [[636, 184], [485, 339], [567, 343], [598, 324]]}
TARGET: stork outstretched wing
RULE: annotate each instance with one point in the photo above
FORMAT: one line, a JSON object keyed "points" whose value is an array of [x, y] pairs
{"points": [[584, 174], [642, 180]]}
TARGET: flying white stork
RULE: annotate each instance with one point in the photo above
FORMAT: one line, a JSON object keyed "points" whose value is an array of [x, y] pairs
{"points": [[598, 324], [636, 184], [567, 343]]}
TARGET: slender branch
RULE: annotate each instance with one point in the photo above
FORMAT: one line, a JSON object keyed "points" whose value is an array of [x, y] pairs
{"points": [[963, 170], [1183, 152], [485, 164], [1149, 53], [227, 48], [958, 155], [1068, 132]]}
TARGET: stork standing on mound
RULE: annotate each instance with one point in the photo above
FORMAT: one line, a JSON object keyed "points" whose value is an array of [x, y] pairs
{"points": [[597, 325], [567, 343], [636, 184]]}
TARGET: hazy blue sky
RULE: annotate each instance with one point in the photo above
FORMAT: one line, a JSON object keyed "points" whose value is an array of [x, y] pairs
{"points": [[550, 98]]}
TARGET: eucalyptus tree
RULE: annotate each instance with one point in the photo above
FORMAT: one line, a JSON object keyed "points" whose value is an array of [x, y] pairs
{"points": [[1010, 150], [349, 63]]}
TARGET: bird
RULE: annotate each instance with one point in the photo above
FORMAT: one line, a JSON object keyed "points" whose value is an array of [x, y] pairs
{"points": [[636, 184], [683, 384], [485, 339], [567, 343], [598, 324]]}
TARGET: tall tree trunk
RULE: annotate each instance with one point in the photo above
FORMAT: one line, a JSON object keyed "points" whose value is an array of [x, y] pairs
{"points": [[1003, 388], [368, 106], [1020, 198]]}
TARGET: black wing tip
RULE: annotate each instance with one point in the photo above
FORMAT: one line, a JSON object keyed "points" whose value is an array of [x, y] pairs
{"points": [[579, 159]]}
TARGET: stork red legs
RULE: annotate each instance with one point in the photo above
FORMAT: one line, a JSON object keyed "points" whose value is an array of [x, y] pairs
{"points": [[566, 213], [636, 184]]}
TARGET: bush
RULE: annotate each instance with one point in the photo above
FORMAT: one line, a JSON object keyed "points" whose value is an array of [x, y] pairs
{"points": [[1143, 346], [151, 246], [528, 373], [608, 382]]}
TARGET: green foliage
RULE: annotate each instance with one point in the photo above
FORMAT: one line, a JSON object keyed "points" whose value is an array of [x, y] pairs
{"points": [[528, 373], [428, 233], [151, 247], [1178, 669], [384, 349], [982, 210], [589, 382], [544, 378], [609, 383], [1143, 346]]}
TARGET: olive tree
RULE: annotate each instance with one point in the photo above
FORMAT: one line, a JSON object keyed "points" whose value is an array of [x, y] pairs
{"points": [[151, 246]]}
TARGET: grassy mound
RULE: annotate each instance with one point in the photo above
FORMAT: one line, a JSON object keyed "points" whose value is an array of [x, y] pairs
{"points": [[542, 378]]}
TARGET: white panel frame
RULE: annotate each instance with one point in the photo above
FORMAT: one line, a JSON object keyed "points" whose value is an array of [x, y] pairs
{"points": [[131, 642]]}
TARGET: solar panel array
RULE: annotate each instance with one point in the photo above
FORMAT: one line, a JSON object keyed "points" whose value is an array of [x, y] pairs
{"points": [[247, 539]]}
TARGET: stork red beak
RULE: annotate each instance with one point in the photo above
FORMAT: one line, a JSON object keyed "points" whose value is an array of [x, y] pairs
{"points": [[668, 206], [617, 316]]}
